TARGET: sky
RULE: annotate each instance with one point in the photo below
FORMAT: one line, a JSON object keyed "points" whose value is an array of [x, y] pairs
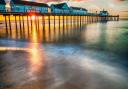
{"points": [[113, 6]]}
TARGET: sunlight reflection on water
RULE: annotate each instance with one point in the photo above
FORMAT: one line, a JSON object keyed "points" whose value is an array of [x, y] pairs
{"points": [[36, 58]]}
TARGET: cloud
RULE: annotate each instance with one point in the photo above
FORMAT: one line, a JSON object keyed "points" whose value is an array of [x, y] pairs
{"points": [[125, 11]]}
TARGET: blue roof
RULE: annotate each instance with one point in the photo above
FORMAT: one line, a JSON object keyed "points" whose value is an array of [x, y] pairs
{"points": [[60, 5], [79, 8], [29, 3]]}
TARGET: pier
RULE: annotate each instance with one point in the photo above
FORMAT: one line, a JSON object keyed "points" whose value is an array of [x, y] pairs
{"points": [[23, 23]]}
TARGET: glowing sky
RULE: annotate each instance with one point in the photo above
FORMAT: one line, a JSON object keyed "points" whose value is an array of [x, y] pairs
{"points": [[113, 6]]}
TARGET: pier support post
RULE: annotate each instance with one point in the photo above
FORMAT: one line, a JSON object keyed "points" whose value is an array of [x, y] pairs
{"points": [[63, 24], [80, 20], [38, 23], [43, 26], [6, 25], [49, 26], [28, 25], [118, 18], [16, 26], [74, 20], [31, 24], [59, 24], [54, 23], [71, 21], [77, 23], [87, 19], [23, 26], [10, 28], [20, 26], [66, 22], [35, 20], [84, 19]]}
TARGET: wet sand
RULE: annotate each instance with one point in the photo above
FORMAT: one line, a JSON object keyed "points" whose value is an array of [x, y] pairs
{"points": [[57, 71]]}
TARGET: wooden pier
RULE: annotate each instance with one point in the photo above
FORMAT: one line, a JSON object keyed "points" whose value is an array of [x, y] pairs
{"points": [[23, 21]]}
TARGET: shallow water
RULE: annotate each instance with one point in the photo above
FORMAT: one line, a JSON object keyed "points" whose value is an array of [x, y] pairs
{"points": [[93, 56]]}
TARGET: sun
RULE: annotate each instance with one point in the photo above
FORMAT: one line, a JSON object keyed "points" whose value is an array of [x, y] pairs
{"points": [[33, 17]]}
